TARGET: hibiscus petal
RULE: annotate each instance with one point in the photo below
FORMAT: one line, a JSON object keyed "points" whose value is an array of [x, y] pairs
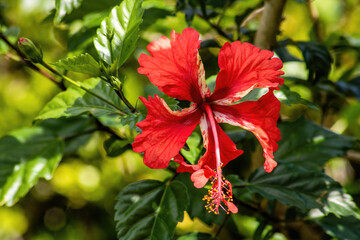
{"points": [[164, 131], [228, 150], [175, 66], [244, 67], [201, 177], [232, 207], [259, 117]]}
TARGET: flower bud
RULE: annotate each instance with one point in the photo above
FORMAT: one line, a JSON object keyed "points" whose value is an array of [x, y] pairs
{"points": [[115, 83], [31, 51]]}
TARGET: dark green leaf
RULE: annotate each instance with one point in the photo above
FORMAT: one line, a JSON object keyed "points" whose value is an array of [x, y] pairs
{"points": [[75, 101], [75, 130], [83, 63], [25, 156], [150, 209], [351, 88], [64, 7], [284, 54], [291, 185], [310, 145], [346, 228], [209, 43], [115, 147], [197, 236], [288, 97], [317, 58], [117, 36]]}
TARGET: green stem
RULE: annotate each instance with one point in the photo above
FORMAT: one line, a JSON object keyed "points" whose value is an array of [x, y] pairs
{"points": [[125, 101], [80, 86]]}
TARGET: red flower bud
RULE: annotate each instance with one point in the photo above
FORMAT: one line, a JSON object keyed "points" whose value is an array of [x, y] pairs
{"points": [[31, 51]]}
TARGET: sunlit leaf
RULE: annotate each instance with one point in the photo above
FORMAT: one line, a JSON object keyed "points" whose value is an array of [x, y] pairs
{"points": [[195, 148], [340, 204], [64, 7], [83, 63], [117, 36], [308, 144], [25, 156], [288, 97], [150, 209]]}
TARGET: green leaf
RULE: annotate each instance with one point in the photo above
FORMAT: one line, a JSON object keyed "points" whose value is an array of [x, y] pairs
{"points": [[64, 7], [195, 148], [115, 147], [25, 156], [75, 101], [155, 10], [75, 130], [346, 228], [288, 97], [197, 236], [340, 204], [292, 185], [131, 120], [317, 58], [350, 88], [83, 63], [117, 36], [150, 209], [310, 145], [12, 34]]}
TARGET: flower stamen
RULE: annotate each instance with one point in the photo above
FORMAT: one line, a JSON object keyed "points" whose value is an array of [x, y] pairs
{"points": [[221, 189]]}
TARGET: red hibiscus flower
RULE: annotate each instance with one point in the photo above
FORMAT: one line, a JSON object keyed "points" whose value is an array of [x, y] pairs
{"points": [[175, 67]]}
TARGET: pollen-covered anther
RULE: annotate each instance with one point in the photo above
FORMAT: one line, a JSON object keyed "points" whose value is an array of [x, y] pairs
{"points": [[223, 199]]}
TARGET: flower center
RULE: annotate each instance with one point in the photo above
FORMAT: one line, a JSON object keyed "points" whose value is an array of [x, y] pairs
{"points": [[221, 190]]}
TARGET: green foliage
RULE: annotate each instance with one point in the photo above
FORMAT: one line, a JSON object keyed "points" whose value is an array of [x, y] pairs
{"points": [[117, 36], [64, 7], [291, 185], [75, 101], [115, 147], [150, 209], [83, 63], [197, 236], [193, 152], [288, 97], [340, 204], [341, 228], [309, 145], [26, 155]]}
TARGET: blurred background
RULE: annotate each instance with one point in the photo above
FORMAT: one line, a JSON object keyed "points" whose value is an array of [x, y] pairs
{"points": [[78, 202]]}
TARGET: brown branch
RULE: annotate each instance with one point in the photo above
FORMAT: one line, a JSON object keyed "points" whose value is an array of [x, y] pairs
{"points": [[265, 37], [315, 18]]}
